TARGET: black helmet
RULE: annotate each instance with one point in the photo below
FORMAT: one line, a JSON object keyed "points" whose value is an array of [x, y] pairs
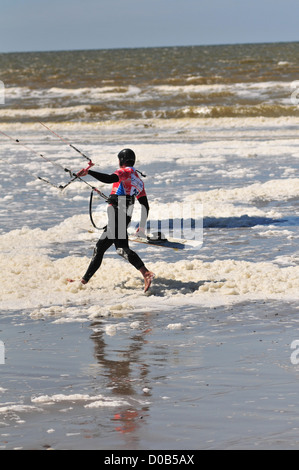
{"points": [[127, 157]]}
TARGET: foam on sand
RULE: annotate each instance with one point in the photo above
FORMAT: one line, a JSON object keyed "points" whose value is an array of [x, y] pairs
{"points": [[38, 283]]}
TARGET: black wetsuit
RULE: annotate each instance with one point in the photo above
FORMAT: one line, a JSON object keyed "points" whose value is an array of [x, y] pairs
{"points": [[119, 217]]}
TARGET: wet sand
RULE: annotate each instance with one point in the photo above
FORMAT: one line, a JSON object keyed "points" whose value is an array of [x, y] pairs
{"points": [[217, 378]]}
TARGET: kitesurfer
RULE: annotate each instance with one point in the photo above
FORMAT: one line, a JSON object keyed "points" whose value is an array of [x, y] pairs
{"points": [[126, 186]]}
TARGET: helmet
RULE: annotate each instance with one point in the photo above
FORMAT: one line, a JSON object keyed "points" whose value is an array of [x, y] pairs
{"points": [[127, 157]]}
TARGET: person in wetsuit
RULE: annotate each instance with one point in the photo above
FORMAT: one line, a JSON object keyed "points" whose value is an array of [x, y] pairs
{"points": [[126, 186]]}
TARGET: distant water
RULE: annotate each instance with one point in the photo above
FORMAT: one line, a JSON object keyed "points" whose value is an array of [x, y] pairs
{"points": [[175, 82]]}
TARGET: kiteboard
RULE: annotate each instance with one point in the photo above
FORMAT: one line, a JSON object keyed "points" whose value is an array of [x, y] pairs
{"points": [[159, 239]]}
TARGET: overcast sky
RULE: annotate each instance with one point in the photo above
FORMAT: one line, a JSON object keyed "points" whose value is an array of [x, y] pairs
{"points": [[39, 25]]}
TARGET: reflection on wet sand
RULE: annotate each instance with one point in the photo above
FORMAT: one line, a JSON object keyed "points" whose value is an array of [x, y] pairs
{"points": [[125, 373]]}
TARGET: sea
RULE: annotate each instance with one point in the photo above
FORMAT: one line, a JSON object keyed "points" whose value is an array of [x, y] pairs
{"points": [[208, 358]]}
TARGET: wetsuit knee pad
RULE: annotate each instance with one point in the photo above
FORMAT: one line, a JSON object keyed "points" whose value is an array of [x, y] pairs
{"points": [[95, 252], [123, 252]]}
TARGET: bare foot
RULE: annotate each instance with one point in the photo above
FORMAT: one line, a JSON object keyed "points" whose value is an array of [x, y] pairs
{"points": [[148, 280], [148, 277]]}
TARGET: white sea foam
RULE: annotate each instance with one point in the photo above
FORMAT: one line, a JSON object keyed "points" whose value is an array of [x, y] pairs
{"points": [[16, 408], [97, 401], [34, 281], [250, 90], [273, 190], [231, 183], [41, 113], [87, 94], [43, 402], [228, 127]]}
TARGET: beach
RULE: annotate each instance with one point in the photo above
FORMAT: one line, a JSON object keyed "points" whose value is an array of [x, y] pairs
{"points": [[205, 359]]}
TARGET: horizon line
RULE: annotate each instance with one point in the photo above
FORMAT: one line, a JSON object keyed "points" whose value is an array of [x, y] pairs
{"points": [[150, 47]]}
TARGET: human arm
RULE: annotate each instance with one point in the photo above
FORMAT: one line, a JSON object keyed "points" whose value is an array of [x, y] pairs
{"points": [[144, 215], [103, 177]]}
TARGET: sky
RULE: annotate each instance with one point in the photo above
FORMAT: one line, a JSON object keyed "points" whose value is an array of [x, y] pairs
{"points": [[43, 25]]}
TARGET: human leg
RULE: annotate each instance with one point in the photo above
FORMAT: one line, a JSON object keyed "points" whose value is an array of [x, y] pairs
{"points": [[123, 249], [101, 247]]}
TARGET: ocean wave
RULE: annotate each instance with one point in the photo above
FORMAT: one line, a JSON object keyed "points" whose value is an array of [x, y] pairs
{"points": [[94, 113], [25, 97], [47, 113], [237, 88], [163, 101], [89, 94]]}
